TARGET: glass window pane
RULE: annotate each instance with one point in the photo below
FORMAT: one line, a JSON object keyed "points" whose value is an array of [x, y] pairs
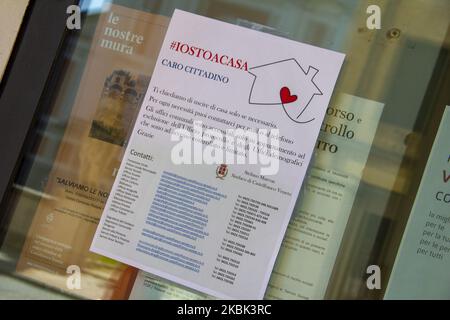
{"points": [[399, 72]]}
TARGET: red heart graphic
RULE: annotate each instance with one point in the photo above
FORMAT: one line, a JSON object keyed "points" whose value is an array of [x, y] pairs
{"points": [[286, 97]]}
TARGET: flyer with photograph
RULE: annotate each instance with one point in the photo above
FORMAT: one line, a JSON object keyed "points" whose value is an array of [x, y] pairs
{"points": [[110, 93], [217, 156]]}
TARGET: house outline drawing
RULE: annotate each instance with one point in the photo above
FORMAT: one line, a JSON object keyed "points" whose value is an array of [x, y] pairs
{"points": [[309, 78]]}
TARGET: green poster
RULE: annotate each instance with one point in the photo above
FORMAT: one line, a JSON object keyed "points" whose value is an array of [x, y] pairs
{"points": [[422, 266]]}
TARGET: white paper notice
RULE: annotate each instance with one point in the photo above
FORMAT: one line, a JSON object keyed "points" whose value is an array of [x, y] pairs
{"points": [[217, 156]]}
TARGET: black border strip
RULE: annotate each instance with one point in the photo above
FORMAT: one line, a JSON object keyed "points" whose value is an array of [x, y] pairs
{"points": [[32, 62]]}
